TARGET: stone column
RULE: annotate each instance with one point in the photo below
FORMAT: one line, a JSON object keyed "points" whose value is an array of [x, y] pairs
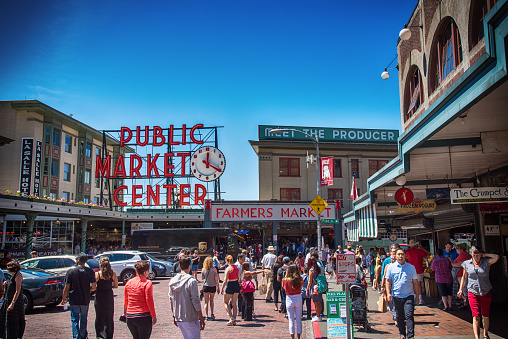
{"points": [[30, 221]]}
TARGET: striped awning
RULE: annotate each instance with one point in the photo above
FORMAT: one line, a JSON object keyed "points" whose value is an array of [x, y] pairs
{"points": [[364, 224], [352, 231]]}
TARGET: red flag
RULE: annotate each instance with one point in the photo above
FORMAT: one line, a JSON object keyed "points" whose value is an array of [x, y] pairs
{"points": [[354, 191]]}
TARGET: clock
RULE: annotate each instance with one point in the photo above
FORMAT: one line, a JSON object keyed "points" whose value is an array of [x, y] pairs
{"points": [[393, 237], [207, 163]]}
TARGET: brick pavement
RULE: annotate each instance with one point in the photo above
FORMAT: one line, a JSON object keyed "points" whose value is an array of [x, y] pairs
{"points": [[55, 323]]}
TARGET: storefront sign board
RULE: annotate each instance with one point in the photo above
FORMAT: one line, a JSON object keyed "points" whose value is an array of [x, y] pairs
{"points": [[346, 269], [478, 195], [267, 212], [25, 179], [141, 226], [417, 206], [492, 230]]}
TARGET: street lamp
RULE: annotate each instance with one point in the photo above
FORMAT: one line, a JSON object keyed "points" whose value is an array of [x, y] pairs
{"points": [[318, 183]]}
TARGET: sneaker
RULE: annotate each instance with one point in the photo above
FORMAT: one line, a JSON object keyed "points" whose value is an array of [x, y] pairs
{"points": [[316, 319]]}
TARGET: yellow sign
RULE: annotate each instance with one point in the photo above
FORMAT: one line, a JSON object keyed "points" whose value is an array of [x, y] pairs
{"points": [[417, 206], [318, 204]]}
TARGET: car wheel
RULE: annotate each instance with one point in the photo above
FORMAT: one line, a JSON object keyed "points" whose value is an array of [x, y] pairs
{"points": [[152, 275], [127, 275], [28, 302], [54, 303]]}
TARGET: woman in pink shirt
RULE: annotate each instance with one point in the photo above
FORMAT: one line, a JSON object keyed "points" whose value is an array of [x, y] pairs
{"points": [[139, 309]]}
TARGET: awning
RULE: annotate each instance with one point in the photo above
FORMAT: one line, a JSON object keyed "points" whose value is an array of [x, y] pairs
{"points": [[363, 224]]}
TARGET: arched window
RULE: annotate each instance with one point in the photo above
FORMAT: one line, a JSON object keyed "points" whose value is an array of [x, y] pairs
{"points": [[413, 94], [447, 52], [479, 9]]}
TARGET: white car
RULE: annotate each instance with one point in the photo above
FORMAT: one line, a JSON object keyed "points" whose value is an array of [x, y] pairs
{"points": [[57, 263], [122, 262]]}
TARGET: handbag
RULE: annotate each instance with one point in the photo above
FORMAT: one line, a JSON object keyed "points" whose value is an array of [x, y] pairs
{"points": [[248, 286], [263, 287], [202, 293]]}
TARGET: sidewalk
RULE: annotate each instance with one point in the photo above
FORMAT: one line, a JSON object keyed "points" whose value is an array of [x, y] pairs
{"points": [[430, 321]]}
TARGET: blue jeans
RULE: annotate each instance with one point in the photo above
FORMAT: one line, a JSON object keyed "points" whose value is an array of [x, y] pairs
{"points": [[405, 308], [79, 315]]}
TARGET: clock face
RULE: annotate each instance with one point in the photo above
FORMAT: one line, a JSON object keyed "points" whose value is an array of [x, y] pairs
{"points": [[393, 237], [207, 163]]}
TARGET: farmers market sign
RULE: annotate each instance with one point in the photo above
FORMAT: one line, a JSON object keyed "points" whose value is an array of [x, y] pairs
{"points": [[478, 195]]}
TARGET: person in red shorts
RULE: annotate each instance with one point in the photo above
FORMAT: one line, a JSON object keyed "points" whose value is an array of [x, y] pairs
{"points": [[415, 254], [476, 275]]}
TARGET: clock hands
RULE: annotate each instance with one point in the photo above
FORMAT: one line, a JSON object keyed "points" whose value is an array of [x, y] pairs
{"points": [[212, 166], [207, 160]]}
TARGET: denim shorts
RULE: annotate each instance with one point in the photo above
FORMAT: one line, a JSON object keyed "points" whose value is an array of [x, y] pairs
{"points": [[446, 289]]}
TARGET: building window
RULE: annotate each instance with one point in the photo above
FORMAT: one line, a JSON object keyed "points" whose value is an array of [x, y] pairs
{"points": [[413, 94], [54, 168], [65, 196], [289, 167], [56, 137], [447, 52], [97, 183], [287, 194], [67, 172], [355, 168], [68, 144], [45, 169], [52, 195], [337, 168], [86, 200], [335, 194], [88, 150], [96, 200], [88, 175], [376, 165], [47, 137], [480, 8], [98, 151], [82, 148]]}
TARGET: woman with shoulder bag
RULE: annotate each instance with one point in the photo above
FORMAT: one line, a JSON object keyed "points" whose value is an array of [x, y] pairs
{"points": [[210, 284], [12, 312], [247, 289], [104, 300]]}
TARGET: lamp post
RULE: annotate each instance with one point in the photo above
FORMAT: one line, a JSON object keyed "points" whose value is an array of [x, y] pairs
{"points": [[318, 183]]}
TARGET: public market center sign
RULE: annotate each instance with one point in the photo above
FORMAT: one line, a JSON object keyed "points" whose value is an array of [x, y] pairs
{"points": [[331, 134]]}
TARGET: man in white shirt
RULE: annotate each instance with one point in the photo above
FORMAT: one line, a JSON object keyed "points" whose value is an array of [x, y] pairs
{"points": [[266, 264], [311, 250]]}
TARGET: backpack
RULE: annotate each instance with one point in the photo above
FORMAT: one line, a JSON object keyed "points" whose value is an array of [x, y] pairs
{"points": [[322, 284]]}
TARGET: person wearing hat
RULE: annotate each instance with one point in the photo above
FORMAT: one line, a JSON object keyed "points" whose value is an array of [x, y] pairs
{"points": [[266, 264], [80, 281], [415, 255]]}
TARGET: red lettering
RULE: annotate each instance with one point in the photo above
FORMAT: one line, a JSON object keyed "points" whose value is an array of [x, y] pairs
{"points": [[135, 195], [294, 213], [253, 212], [199, 198], [138, 136], [119, 167], [235, 212], [100, 168], [157, 133], [115, 195], [184, 136], [226, 212], [168, 168], [183, 156], [284, 211], [218, 212], [311, 212], [169, 193], [269, 210], [150, 195], [303, 212], [261, 212], [152, 165], [171, 133], [184, 195], [135, 169], [124, 140], [245, 213], [191, 134]]}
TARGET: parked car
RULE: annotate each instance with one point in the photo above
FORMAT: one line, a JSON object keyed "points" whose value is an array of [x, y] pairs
{"points": [[122, 262], [40, 287], [57, 263], [160, 268]]}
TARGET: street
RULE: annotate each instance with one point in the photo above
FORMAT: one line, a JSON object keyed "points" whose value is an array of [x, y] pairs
{"points": [[56, 323]]}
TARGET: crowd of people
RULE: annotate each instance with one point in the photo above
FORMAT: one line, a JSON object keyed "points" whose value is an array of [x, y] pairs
{"points": [[291, 285]]}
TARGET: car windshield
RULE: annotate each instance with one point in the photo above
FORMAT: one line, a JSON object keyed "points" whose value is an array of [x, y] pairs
{"points": [[149, 257], [144, 257]]}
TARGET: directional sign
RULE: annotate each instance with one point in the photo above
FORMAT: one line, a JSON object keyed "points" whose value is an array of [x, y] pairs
{"points": [[318, 204], [330, 221]]}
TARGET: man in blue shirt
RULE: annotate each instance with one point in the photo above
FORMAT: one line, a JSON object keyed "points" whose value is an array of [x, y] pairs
{"points": [[450, 252], [403, 288]]}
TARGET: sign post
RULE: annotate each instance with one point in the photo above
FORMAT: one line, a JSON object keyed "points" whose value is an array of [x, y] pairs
{"points": [[346, 274]]}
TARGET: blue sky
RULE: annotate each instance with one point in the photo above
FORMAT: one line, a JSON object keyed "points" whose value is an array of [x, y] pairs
{"points": [[237, 64]]}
